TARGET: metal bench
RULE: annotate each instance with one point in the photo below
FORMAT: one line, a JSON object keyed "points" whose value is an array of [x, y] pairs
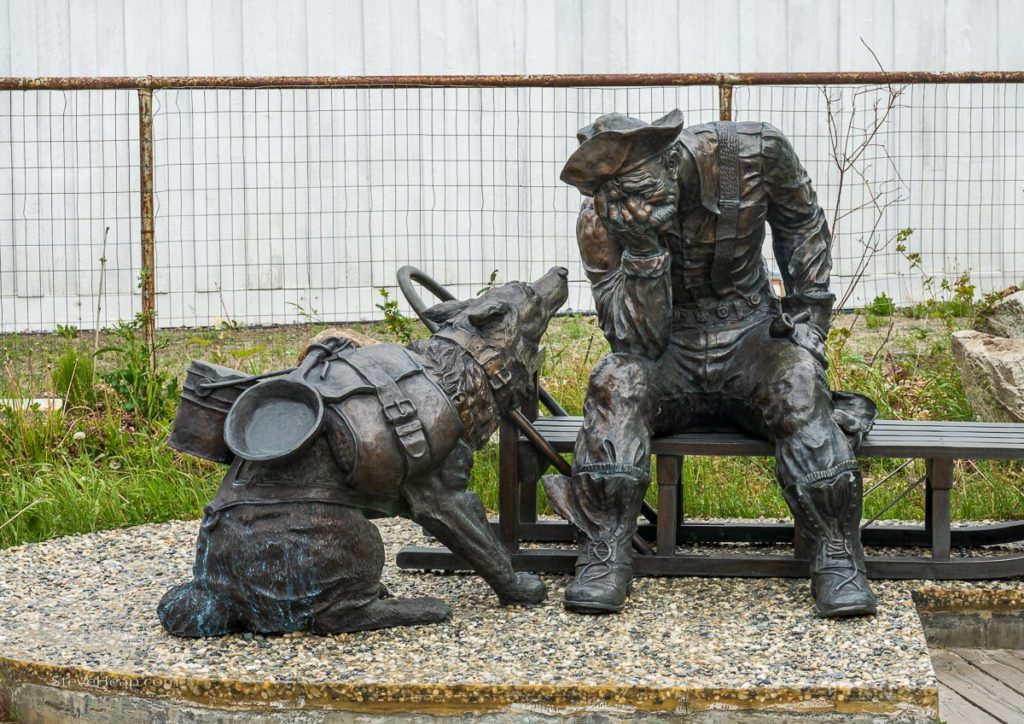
{"points": [[939, 444], [528, 443]]}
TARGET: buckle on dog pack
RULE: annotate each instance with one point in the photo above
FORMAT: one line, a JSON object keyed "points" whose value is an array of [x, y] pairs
{"points": [[399, 410], [401, 415], [411, 437]]}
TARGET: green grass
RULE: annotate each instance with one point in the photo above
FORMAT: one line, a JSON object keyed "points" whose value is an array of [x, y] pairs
{"points": [[101, 464]]}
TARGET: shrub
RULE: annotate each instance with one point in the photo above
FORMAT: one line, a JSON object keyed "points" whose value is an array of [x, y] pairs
{"points": [[882, 306], [144, 391], [394, 321], [73, 376]]}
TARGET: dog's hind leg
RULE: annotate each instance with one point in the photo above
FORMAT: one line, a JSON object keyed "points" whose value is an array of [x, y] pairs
{"points": [[382, 613], [441, 504], [188, 611]]}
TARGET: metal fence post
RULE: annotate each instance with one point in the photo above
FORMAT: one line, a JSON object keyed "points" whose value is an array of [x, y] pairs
{"points": [[725, 102], [148, 270]]}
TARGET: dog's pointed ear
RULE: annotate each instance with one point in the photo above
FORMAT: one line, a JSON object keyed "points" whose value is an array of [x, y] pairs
{"points": [[441, 313], [488, 312]]}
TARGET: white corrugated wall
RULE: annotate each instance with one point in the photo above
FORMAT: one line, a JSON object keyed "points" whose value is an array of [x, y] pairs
{"points": [[267, 202]]}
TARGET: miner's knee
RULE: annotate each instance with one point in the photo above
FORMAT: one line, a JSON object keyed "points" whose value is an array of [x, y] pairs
{"points": [[795, 396], [621, 377]]}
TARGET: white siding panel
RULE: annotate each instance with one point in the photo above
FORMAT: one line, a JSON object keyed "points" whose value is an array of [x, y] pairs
{"points": [[26, 58], [540, 37], [1009, 35], [811, 34], [864, 28], [274, 37], [290, 37], [268, 198], [84, 39], [334, 30], [377, 38], [199, 32], [501, 36], [569, 43], [604, 37], [156, 37], [404, 37], [111, 37], [764, 35], [925, 47], [652, 36], [5, 37]]}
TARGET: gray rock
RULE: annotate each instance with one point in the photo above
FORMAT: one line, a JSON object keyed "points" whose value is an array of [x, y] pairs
{"points": [[992, 371], [1005, 318]]}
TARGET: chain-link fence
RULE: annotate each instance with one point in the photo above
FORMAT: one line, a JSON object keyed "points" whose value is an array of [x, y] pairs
{"points": [[281, 200]]}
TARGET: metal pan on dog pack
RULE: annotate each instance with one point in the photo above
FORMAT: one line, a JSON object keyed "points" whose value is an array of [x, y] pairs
{"points": [[274, 420]]}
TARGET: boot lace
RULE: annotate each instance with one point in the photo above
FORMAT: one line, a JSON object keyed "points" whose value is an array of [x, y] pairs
{"points": [[600, 553], [838, 556]]}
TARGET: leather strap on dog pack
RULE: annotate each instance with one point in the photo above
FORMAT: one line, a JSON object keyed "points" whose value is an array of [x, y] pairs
{"points": [[399, 410], [729, 207]]}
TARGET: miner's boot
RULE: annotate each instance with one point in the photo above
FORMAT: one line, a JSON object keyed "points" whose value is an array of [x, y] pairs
{"points": [[828, 513], [604, 568]]}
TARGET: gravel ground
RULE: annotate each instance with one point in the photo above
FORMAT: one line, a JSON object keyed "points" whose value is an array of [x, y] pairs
{"points": [[88, 602]]}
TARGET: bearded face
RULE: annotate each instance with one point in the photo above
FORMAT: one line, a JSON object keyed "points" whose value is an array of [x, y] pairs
{"points": [[655, 183]]}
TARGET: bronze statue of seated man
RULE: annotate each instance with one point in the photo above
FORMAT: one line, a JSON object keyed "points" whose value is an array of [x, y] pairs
{"points": [[670, 234]]}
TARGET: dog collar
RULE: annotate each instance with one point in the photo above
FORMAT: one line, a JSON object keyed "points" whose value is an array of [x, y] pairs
{"points": [[485, 355]]}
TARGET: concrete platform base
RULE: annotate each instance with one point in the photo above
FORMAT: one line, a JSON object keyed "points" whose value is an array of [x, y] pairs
{"points": [[79, 641]]}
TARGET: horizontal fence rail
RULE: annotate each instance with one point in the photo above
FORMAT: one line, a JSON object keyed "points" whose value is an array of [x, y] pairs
{"points": [[270, 200], [601, 80]]}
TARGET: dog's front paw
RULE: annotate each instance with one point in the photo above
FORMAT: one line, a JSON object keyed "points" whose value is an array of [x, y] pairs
{"points": [[528, 590]]}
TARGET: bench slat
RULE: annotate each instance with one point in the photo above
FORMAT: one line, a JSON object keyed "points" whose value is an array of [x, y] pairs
{"points": [[881, 426], [889, 438]]}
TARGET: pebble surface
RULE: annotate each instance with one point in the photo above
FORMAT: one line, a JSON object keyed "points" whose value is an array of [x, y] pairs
{"points": [[89, 603]]}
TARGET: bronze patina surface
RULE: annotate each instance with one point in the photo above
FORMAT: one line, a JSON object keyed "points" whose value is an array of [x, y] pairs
{"points": [[670, 233], [352, 434]]}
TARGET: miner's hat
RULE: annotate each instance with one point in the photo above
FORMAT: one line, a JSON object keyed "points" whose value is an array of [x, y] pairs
{"points": [[614, 144]]}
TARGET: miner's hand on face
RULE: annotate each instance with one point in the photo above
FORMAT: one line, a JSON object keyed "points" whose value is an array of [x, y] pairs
{"points": [[637, 206]]}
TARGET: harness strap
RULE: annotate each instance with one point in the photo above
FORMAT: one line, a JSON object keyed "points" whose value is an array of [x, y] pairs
{"points": [[727, 227], [486, 356], [399, 410]]}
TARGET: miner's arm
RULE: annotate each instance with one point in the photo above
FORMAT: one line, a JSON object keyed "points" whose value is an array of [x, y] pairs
{"points": [[800, 234], [633, 292]]}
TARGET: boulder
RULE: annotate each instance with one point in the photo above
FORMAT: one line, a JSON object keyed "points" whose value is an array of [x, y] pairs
{"points": [[1006, 317], [358, 338], [992, 371]]}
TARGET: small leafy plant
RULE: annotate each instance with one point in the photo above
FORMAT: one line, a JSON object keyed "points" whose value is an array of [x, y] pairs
{"points": [[144, 391], [882, 306], [394, 321], [492, 281]]}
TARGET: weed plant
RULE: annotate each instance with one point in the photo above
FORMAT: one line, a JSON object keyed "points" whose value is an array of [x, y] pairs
{"points": [[103, 462]]}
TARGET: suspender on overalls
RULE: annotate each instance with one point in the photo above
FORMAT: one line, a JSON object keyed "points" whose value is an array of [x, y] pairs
{"points": [[727, 227]]}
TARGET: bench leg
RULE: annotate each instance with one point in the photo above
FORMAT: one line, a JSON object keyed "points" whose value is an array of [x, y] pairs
{"points": [[800, 547], [508, 486], [530, 468], [668, 471], [938, 483], [531, 463]]}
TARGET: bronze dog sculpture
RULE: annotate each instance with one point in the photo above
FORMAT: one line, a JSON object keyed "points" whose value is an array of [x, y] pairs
{"points": [[286, 544]]}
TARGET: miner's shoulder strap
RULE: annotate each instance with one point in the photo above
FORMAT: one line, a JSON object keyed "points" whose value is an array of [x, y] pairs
{"points": [[729, 205]]}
